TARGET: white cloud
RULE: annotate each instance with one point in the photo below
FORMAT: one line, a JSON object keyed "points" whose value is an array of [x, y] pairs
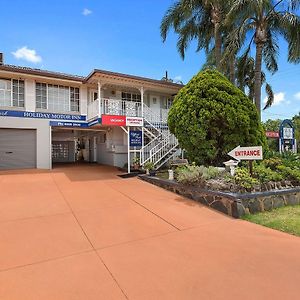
{"points": [[177, 78], [27, 54], [278, 98], [297, 96], [86, 12]]}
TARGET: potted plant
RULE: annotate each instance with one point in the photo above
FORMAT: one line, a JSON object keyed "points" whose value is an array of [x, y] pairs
{"points": [[136, 163], [150, 169]]}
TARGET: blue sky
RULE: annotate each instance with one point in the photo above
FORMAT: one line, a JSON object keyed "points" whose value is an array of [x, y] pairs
{"points": [[76, 36]]}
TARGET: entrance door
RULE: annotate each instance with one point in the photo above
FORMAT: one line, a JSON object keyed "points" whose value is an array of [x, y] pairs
{"points": [[17, 148]]}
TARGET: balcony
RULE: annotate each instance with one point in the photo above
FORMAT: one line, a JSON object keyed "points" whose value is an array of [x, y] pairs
{"points": [[120, 107], [114, 107]]}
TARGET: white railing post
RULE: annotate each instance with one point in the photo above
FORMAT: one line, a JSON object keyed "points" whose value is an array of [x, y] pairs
{"points": [[99, 100]]}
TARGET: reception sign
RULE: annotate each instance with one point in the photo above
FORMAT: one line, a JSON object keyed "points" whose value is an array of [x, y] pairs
{"points": [[134, 121]]}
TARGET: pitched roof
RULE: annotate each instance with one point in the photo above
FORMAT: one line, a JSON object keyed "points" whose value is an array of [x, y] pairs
{"points": [[32, 71], [134, 77], [59, 75]]}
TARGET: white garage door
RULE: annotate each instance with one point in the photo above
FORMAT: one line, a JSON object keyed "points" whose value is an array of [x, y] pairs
{"points": [[17, 148]]}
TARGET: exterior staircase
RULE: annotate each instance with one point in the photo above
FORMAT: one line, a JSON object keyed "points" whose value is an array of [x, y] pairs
{"points": [[163, 145]]}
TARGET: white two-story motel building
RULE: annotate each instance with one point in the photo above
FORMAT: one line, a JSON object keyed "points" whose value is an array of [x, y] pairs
{"points": [[107, 118]]}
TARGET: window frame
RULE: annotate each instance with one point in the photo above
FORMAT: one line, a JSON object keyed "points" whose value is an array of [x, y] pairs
{"points": [[73, 102], [11, 90]]}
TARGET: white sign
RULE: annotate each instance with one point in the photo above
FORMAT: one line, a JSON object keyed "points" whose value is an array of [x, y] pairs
{"points": [[134, 121], [247, 153], [288, 133]]}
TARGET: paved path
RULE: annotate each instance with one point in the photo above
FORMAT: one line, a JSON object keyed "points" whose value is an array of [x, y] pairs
{"points": [[81, 232]]}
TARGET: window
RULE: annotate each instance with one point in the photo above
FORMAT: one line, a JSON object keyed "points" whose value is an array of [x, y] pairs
{"points": [[41, 95], [131, 97], [12, 93], [57, 98]]}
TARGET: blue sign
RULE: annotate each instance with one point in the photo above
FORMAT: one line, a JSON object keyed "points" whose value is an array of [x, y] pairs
{"points": [[94, 122], [68, 124], [135, 138], [41, 115]]}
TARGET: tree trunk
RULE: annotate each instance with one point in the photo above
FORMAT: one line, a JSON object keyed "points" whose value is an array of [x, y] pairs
{"points": [[257, 83], [232, 69], [218, 45]]}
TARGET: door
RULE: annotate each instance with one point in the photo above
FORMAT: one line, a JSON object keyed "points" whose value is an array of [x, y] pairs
{"points": [[17, 148], [63, 151]]}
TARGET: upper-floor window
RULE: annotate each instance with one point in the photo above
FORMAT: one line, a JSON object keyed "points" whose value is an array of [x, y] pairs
{"points": [[12, 92], [57, 98], [131, 97]]}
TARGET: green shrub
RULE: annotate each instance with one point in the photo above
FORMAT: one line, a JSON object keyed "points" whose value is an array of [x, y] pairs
{"points": [[272, 162], [243, 178], [210, 117], [193, 174], [265, 174], [289, 173]]}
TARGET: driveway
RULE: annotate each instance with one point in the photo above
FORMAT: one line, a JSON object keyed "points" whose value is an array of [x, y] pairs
{"points": [[82, 232]]}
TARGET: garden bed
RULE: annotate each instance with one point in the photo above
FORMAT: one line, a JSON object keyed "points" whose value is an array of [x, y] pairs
{"points": [[233, 204]]}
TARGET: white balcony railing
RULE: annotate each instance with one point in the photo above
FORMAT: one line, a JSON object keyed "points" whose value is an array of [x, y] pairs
{"points": [[126, 108], [121, 107], [93, 109]]}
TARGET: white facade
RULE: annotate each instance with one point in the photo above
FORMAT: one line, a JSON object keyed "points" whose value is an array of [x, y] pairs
{"points": [[39, 100]]}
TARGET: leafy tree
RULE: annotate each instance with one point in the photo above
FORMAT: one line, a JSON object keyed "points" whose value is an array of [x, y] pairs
{"points": [[272, 125], [202, 20], [210, 117], [264, 21], [296, 122]]}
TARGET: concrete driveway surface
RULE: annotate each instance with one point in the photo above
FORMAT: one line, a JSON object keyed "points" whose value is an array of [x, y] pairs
{"points": [[82, 232]]}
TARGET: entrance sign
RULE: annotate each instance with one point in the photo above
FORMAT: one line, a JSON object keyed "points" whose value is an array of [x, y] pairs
{"points": [[135, 138], [134, 121], [247, 153], [272, 134], [113, 120]]}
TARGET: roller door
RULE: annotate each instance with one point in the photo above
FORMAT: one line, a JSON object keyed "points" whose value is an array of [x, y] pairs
{"points": [[17, 148]]}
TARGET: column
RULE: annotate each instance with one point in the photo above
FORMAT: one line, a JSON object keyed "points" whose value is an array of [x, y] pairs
{"points": [[99, 100]]}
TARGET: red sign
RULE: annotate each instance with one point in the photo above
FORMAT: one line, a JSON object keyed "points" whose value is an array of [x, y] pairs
{"points": [[272, 134], [113, 120]]}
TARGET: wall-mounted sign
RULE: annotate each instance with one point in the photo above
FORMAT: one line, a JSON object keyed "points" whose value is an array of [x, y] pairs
{"points": [[113, 120], [135, 138], [67, 124], [94, 122], [272, 134], [41, 115], [247, 153], [134, 121]]}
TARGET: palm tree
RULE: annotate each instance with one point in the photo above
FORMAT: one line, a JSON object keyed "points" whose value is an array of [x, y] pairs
{"points": [[197, 19], [264, 20], [245, 79]]}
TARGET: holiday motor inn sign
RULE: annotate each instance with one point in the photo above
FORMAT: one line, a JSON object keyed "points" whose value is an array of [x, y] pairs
{"points": [[247, 153]]}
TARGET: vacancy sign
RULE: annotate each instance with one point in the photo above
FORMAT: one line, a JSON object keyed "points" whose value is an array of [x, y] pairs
{"points": [[113, 120], [247, 153]]}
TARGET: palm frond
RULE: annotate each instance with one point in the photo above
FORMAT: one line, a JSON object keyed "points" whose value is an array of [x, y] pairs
{"points": [[270, 96]]}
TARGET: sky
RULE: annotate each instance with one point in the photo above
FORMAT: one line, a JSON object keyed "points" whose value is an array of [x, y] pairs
{"points": [[77, 36]]}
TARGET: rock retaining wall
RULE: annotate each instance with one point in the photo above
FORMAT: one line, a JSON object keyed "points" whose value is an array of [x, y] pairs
{"points": [[233, 204]]}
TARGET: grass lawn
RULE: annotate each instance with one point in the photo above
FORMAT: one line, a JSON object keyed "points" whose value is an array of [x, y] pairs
{"points": [[285, 219]]}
